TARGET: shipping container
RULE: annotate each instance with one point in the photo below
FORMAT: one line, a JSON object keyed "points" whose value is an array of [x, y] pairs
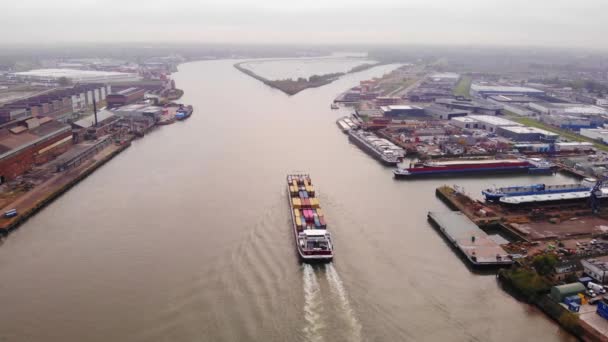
{"points": [[298, 221], [572, 299], [574, 307], [297, 203], [320, 212], [296, 212], [602, 309]]}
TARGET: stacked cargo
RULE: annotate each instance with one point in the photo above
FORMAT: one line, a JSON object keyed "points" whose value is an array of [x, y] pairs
{"points": [[306, 207]]}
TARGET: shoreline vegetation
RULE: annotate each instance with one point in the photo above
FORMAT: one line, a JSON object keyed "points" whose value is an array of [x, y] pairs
{"points": [[530, 284], [291, 87]]}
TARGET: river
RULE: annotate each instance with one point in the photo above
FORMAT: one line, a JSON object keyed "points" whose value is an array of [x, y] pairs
{"points": [[186, 237]]}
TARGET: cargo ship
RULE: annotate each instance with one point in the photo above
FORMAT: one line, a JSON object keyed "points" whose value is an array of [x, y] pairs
{"points": [[495, 194], [313, 240], [468, 166], [383, 150], [183, 112], [347, 123], [558, 193]]}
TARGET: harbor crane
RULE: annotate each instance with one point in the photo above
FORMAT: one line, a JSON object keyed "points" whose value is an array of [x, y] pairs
{"points": [[595, 198]]}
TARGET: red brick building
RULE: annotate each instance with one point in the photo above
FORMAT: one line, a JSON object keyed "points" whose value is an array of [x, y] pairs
{"points": [[125, 97], [37, 142]]}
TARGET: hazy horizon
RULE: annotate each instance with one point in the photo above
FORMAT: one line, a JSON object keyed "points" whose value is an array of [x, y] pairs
{"points": [[542, 23]]}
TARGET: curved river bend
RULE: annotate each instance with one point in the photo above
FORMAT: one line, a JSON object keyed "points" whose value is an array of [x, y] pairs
{"points": [[186, 237]]}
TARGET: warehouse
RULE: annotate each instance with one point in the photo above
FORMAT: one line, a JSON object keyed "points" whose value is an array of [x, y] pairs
{"points": [[571, 122], [558, 293], [443, 113], [401, 111], [491, 123], [464, 122], [472, 106], [600, 134], [51, 77], [596, 268], [492, 90], [125, 97], [23, 146], [522, 133], [135, 111]]}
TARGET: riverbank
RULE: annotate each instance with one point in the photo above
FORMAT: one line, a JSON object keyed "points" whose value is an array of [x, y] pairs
{"points": [[527, 285], [292, 87], [28, 204]]}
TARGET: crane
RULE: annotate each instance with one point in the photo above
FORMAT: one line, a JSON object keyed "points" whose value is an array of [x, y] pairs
{"points": [[594, 198]]}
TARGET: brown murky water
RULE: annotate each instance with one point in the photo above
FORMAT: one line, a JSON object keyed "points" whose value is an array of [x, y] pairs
{"points": [[186, 237]]}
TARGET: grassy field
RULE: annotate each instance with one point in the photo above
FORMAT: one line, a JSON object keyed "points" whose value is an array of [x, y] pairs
{"points": [[564, 133], [463, 88]]}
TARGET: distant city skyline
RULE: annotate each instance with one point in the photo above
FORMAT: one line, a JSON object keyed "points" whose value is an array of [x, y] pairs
{"points": [[554, 23]]}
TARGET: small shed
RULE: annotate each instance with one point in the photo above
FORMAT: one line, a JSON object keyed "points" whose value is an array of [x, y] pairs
{"points": [[558, 293]]}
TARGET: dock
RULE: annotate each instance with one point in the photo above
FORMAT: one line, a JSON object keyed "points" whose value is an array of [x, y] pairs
{"points": [[476, 245]]}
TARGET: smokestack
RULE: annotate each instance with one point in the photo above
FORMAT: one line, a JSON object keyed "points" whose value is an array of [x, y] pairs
{"points": [[95, 108]]}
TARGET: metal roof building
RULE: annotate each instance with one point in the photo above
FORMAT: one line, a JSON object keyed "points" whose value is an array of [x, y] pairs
{"points": [[490, 90], [77, 76], [558, 293]]}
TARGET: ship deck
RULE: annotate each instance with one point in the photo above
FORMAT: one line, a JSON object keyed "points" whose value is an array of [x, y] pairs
{"points": [[459, 230]]}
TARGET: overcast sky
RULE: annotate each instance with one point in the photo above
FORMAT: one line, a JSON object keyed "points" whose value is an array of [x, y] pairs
{"points": [[563, 23]]}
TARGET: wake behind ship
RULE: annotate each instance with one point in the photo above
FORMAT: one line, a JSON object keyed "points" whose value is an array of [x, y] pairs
{"points": [[313, 241]]}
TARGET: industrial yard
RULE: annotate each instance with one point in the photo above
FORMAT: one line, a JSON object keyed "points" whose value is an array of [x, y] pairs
{"points": [[450, 125], [58, 125]]}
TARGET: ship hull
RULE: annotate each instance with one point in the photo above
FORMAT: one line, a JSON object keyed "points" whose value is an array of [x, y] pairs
{"points": [[307, 258], [476, 171], [369, 150]]}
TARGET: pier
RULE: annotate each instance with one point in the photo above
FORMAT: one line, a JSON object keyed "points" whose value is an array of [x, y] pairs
{"points": [[476, 245]]}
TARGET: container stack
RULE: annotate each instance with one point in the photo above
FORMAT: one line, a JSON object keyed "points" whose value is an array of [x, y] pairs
{"points": [[306, 206]]}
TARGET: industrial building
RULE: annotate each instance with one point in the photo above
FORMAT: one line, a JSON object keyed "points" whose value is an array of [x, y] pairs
{"points": [[492, 90], [443, 113], [558, 293], [125, 97], [401, 111], [51, 77], [58, 104], [491, 123], [464, 122], [36, 142], [523, 133], [139, 111], [572, 122], [472, 106], [570, 115], [567, 109], [596, 268], [387, 100], [600, 134]]}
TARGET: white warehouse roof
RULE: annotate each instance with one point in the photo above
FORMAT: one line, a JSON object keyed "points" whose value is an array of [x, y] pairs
{"points": [[494, 120], [74, 74]]}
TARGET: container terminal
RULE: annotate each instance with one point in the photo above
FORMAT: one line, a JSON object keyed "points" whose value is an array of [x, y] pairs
{"points": [[312, 238]]}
